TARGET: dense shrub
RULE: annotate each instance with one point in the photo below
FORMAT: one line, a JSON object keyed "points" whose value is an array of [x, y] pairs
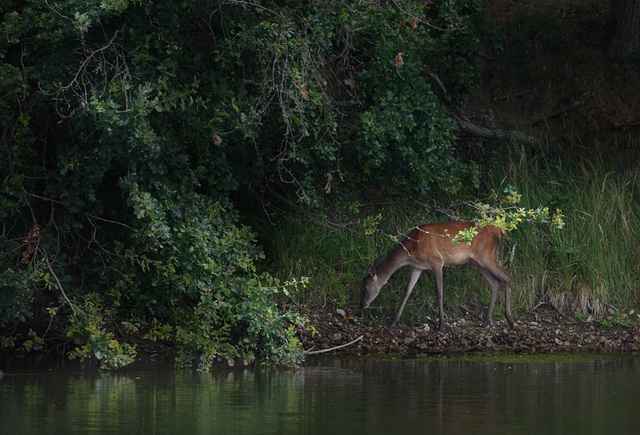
{"points": [[127, 125]]}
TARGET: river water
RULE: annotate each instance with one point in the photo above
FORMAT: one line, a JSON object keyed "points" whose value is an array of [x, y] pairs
{"points": [[350, 396]]}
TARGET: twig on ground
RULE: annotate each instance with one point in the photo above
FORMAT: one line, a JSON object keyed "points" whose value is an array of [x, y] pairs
{"points": [[315, 352]]}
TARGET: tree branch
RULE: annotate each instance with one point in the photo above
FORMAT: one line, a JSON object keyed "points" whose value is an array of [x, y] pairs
{"points": [[476, 130], [82, 83], [64, 294]]}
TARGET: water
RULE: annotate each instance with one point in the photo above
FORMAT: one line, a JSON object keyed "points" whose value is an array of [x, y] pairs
{"points": [[327, 396]]}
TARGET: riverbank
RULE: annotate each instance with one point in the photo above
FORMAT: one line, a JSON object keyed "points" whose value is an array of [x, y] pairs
{"points": [[542, 331], [334, 331]]}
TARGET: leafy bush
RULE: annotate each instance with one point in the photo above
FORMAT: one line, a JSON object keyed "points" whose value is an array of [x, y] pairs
{"points": [[131, 131], [16, 295], [87, 329]]}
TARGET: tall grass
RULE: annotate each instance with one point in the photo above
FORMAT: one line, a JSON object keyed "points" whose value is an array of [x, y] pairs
{"points": [[590, 266], [332, 259], [593, 264]]}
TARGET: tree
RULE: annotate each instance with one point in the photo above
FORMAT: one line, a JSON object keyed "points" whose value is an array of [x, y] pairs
{"points": [[128, 126], [625, 18]]}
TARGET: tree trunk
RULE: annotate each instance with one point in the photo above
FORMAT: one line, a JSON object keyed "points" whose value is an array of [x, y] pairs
{"points": [[625, 18]]}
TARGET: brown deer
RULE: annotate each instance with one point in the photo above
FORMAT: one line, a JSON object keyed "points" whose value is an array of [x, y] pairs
{"points": [[430, 247]]}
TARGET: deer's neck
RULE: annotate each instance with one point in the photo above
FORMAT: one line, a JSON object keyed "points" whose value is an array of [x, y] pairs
{"points": [[397, 259]]}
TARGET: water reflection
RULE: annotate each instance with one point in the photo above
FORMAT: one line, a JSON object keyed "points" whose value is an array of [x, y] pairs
{"points": [[324, 396]]}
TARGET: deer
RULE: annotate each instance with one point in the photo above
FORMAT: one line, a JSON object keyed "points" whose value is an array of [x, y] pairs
{"points": [[430, 247]]}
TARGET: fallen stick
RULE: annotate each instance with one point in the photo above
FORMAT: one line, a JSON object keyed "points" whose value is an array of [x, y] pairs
{"points": [[315, 352]]}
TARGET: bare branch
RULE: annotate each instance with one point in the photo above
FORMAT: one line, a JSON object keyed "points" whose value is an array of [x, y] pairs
{"points": [[64, 294], [111, 67], [58, 13]]}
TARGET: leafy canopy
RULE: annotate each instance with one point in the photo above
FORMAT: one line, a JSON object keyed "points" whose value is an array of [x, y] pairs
{"points": [[129, 129]]}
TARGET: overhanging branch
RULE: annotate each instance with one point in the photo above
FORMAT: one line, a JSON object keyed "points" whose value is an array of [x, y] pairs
{"points": [[471, 128]]}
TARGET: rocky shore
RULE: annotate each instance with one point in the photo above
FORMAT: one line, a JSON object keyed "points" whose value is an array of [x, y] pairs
{"points": [[334, 331]]}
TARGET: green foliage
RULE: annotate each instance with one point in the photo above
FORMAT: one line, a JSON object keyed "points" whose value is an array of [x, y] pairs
{"points": [[88, 330], [34, 343], [615, 320], [16, 295], [403, 125], [506, 215], [243, 324], [578, 317], [7, 342], [159, 331], [335, 73], [131, 131]]}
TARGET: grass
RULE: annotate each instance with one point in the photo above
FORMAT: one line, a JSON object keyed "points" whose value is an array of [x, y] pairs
{"points": [[591, 265], [331, 259]]}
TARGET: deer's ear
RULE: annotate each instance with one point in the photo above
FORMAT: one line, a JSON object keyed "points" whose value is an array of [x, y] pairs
{"points": [[377, 262], [372, 272]]}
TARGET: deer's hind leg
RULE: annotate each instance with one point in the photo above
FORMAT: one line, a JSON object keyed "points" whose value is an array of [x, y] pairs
{"points": [[495, 276]]}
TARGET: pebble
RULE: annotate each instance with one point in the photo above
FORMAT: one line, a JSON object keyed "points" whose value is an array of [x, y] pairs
{"points": [[561, 343]]}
